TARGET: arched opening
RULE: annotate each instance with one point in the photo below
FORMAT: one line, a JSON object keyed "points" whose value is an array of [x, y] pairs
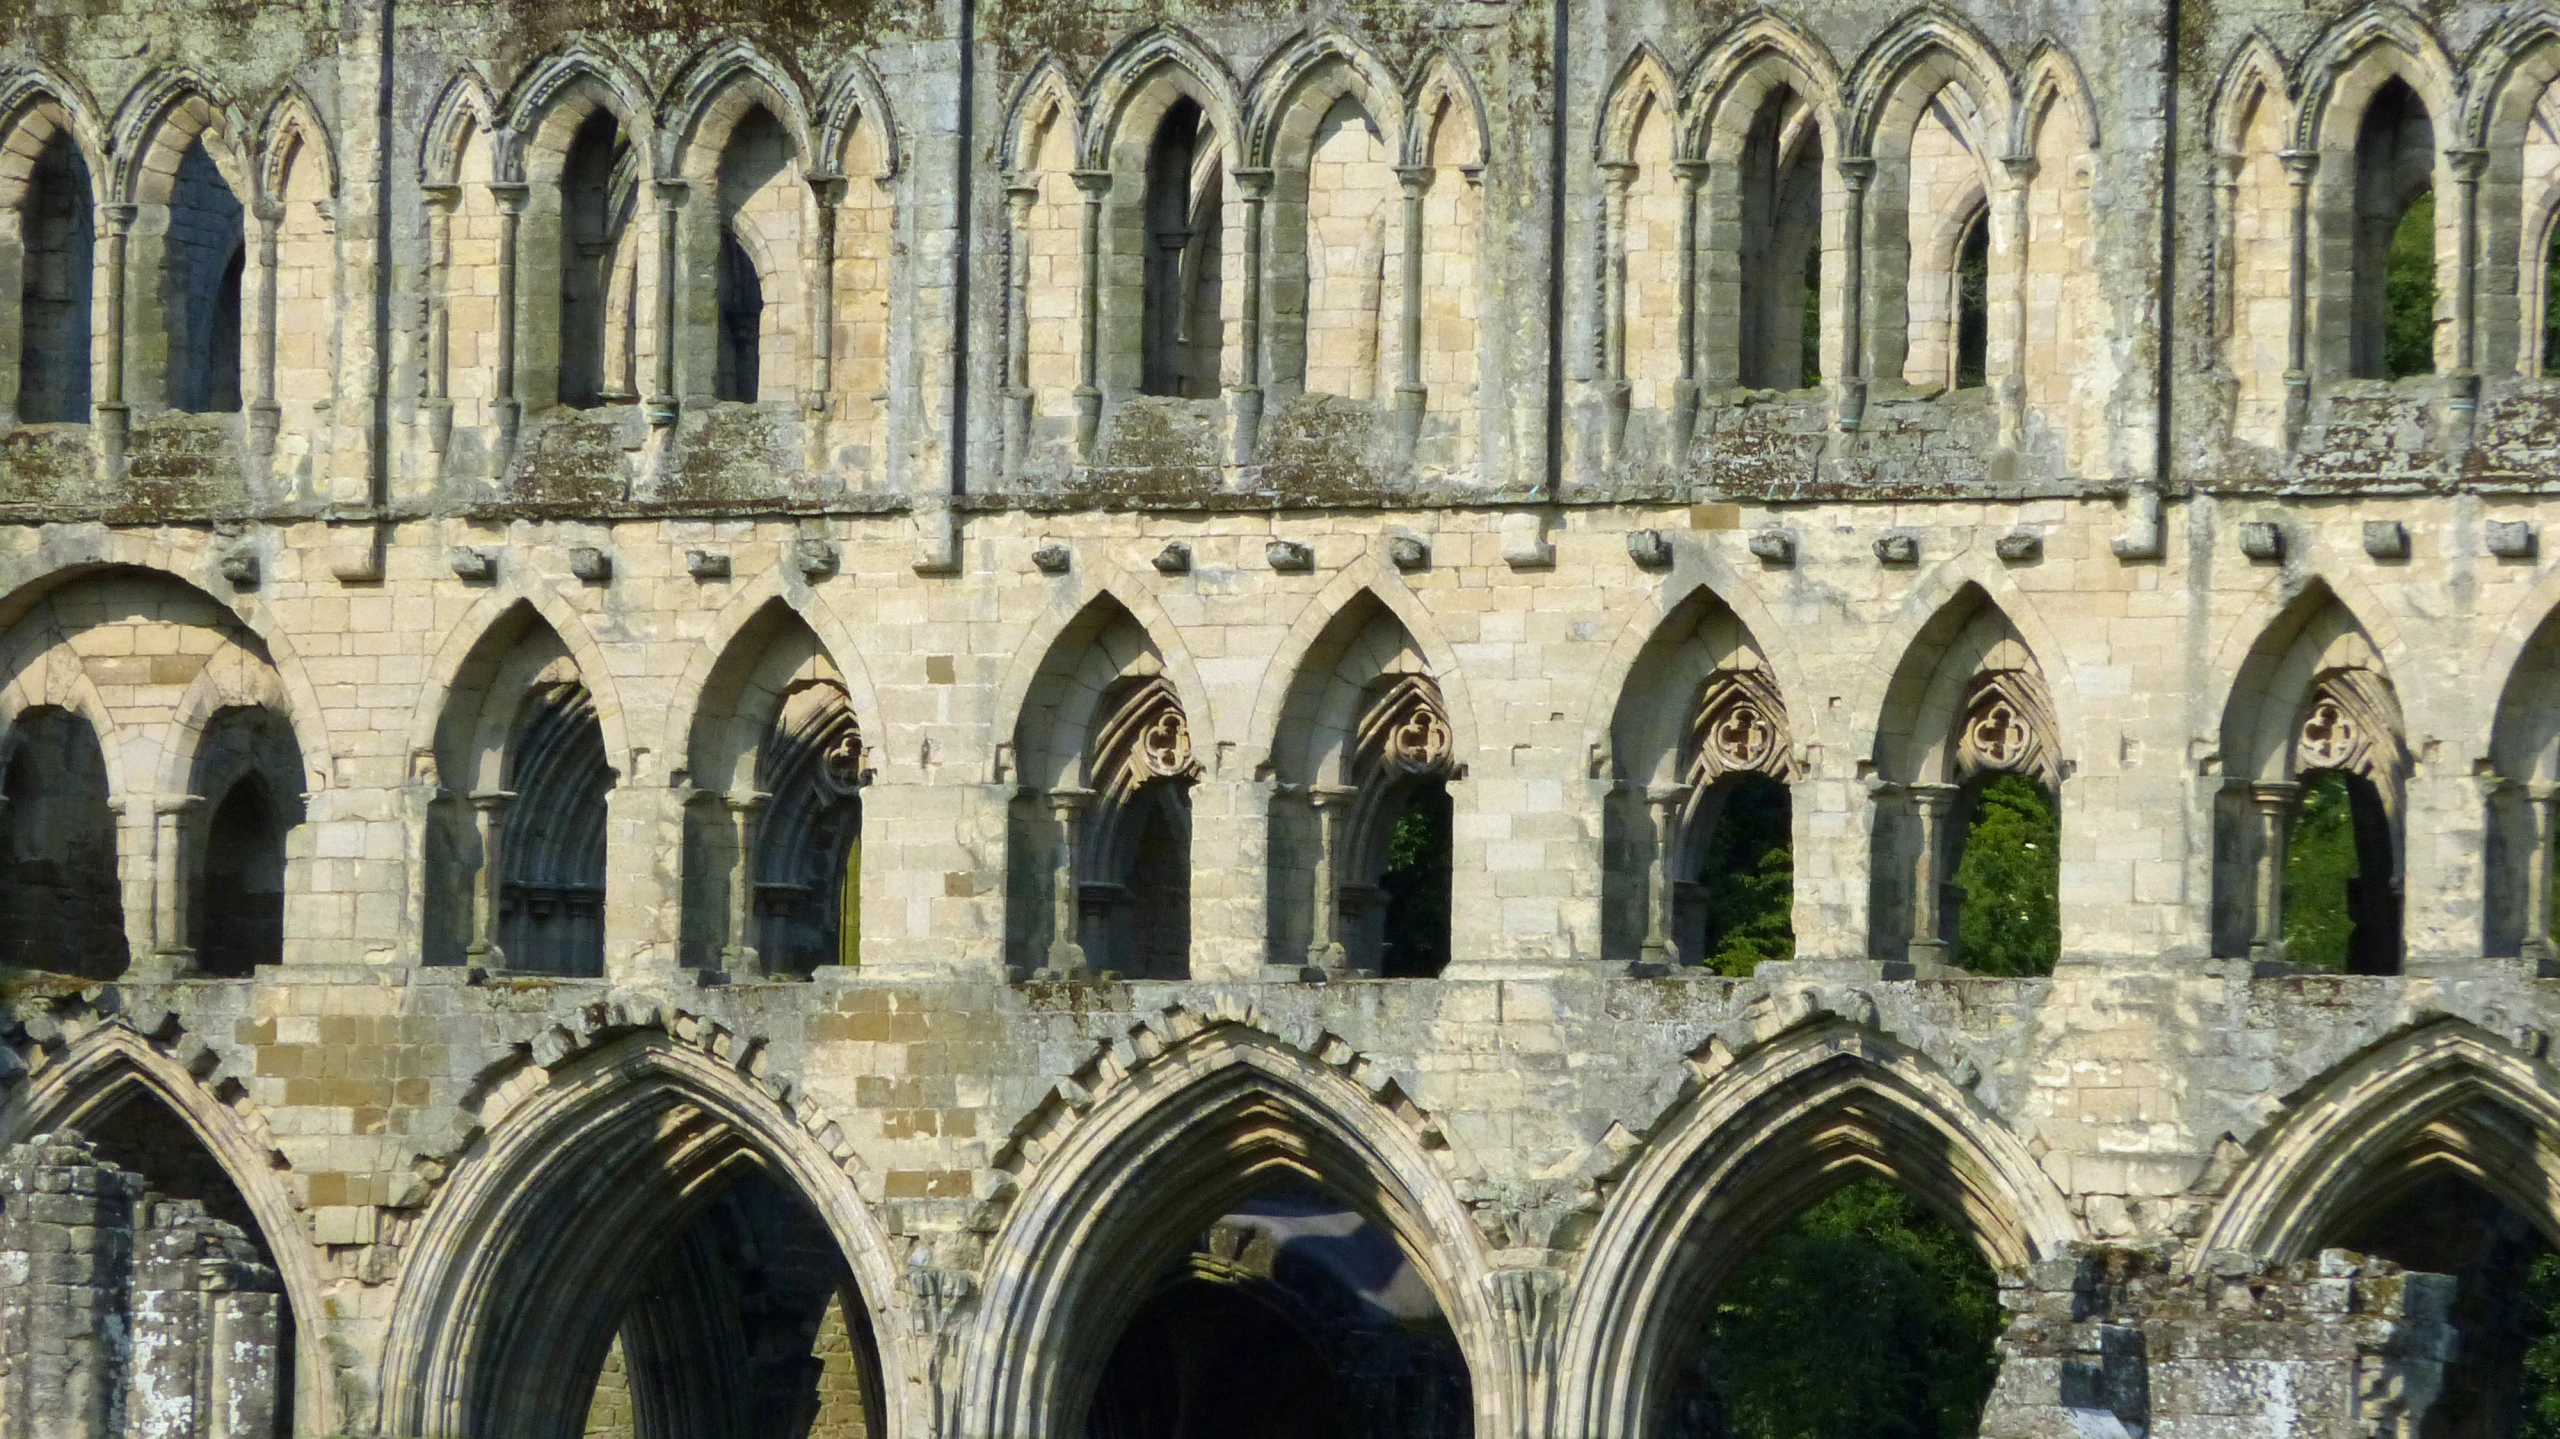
{"points": [[551, 897], [1926, 204], [58, 872], [2008, 878], [2341, 904], [248, 774], [2551, 302], [2504, 1378], [58, 234], [205, 254], [741, 299], [1781, 317], [759, 216], [1742, 890], [1180, 328], [1413, 885], [210, 1331], [808, 849], [1293, 1316], [597, 193], [2393, 308], [1970, 280], [1353, 253], [1867, 1315], [649, 1267]]}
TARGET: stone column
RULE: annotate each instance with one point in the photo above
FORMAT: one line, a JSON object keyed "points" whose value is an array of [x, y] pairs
{"points": [[1018, 199], [2019, 174], [1067, 804], [206, 1341], [265, 415], [114, 416], [2542, 806], [1254, 186], [1617, 179], [1929, 805], [1325, 950], [1684, 391], [1094, 184], [2273, 805], [665, 404], [740, 956], [2299, 167], [1411, 398], [1856, 172], [66, 1253], [828, 193], [509, 405], [489, 811], [171, 955], [1665, 803], [436, 405], [2465, 403], [2226, 242]]}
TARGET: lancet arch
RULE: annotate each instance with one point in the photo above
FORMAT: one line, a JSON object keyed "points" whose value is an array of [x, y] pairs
{"points": [[147, 1113], [1930, 104], [586, 150], [743, 143], [1968, 710], [188, 172], [519, 1281], [1700, 738], [777, 757], [1132, 1184], [521, 759], [1100, 837], [1328, 121], [49, 183], [1362, 835], [1767, 104], [2250, 128], [2312, 710], [1763, 1136]]}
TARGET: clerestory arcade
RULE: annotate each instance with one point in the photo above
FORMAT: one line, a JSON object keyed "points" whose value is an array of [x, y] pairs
{"points": [[985, 720]]}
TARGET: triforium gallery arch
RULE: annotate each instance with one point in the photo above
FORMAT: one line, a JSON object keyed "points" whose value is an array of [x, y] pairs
{"points": [[516, 823], [185, 175], [1766, 1137], [631, 1198], [773, 833], [2312, 708], [205, 1255], [586, 338], [746, 147], [1199, 1169], [128, 692], [48, 199], [1967, 708], [1699, 723], [1100, 831], [1362, 823]]}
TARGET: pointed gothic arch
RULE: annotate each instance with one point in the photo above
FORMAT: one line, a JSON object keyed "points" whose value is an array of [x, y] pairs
{"points": [[1767, 104], [1132, 1182], [48, 250], [1764, 1136], [188, 171], [519, 1281]]}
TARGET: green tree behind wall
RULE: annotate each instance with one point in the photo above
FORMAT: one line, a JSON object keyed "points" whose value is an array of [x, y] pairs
{"points": [[2409, 291], [2010, 920], [1868, 1317], [1748, 880], [2319, 860]]}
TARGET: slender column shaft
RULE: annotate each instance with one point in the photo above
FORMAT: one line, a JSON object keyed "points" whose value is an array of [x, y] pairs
{"points": [[1618, 180], [1930, 806], [441, 202], [1855, 173], [2299, 167], [2273, 805], [2226, 243], [1254, 186], [114, 416], [2467, 165], [1411, 397], [828, 190], [1066, 951], [741, 958], [2542, 799], [2020, 177], [489, 813], [265, 416], [1684, 394], [1019, 198], [671, 199], [1325, 949], [510, 404], [169, 882], [1094, 184], [1665, 803]]}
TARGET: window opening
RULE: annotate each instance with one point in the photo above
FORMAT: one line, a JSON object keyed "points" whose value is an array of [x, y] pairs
{"points": [[2341, 905], [741, 322], [594, 204], [1973, 301], [2008, 908], [206, 257], [2392, 329], [1746, 876], [1415, 885], [1181, 261], [59, 260]]}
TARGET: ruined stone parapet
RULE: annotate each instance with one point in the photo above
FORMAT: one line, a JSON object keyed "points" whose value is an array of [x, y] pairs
{"points": [[66, 1278]]}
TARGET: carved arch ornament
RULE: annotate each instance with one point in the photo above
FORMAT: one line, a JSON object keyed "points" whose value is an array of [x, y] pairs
{"points": [[1404, 734], [2007, 728], [1739, 727], [2349, 725]]}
